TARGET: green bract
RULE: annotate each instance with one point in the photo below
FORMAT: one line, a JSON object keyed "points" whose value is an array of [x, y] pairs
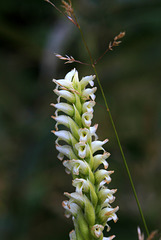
{"points": [[89, 205]]}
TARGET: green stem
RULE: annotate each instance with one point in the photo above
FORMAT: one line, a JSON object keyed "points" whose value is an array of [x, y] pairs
{"points": [[113, 125]]}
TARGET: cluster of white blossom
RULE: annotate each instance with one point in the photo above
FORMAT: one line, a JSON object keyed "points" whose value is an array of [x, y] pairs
{"points": [[90, 204]]}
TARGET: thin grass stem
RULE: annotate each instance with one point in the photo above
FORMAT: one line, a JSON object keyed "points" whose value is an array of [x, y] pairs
{"points": [[114, 128]]}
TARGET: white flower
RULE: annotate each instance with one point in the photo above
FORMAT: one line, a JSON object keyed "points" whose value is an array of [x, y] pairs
{"points": [[64, 107], [76, 166], [88, 106], [76, 198], [108, 213], [89, 205], [85, 80], [63, 84], [102, 176], [84, 134], [89, 92], [69, 96], [68, 122], [101, 159], [83, 149], [65, 136], [65, 150], [97, 145], [71, 208], [97, 230], [81, 184], [106, 194], [86, 119]]}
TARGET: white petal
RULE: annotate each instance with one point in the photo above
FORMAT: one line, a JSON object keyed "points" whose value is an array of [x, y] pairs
{"points": [[71, 208], [97, 145], [85, 80], [84, 134], [76, 197], [88, 106], [66, 95], [97, 230], [66, 150], [102, 175], [106, 196], [76, 166], [62, 119], [63, 83], [81, 184], [69, 75], [63, 135], [101, 159], [109, 238], [75, 77], [60, 156], [108, 213], [93, 131], [65, 107], [82, 149], [89, 92]]}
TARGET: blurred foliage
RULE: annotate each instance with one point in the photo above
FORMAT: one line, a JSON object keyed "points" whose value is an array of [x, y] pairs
{"points": [[32, 180]]}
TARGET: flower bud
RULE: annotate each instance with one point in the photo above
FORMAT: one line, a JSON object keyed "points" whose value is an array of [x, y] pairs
{"points": [[76, 83], [77, 117], [78, 103]]}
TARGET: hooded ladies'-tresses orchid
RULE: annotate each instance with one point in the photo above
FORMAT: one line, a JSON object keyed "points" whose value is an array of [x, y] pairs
{"points": [[90, 204]]}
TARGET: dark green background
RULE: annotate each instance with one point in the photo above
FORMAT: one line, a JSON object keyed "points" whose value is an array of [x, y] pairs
{"points": [[32, 179]]}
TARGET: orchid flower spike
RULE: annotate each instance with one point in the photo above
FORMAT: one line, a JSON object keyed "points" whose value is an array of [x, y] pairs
{"points": [[90, 204]]}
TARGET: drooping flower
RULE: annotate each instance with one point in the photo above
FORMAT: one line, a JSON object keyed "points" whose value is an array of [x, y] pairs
{"points": [[89, 205]]}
